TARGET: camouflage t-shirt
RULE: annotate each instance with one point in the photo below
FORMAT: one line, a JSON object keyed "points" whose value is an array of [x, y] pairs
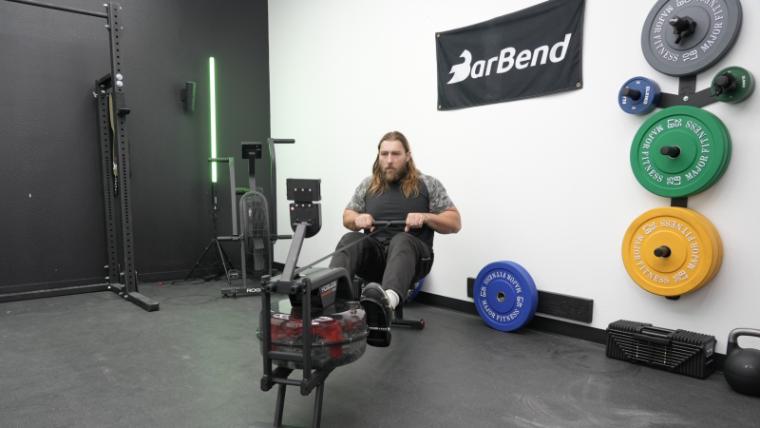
{"points": [[392, 205]]}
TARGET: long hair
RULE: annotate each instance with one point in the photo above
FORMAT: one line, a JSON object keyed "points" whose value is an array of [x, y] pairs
{"points": [[410, 183]]}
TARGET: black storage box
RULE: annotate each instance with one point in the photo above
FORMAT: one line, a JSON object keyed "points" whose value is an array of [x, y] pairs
{"points": [[678, 351]]}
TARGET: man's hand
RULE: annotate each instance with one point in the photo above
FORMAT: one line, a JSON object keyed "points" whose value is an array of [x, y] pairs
{"points": [[364, 221], [415, 221], [447, 221]]}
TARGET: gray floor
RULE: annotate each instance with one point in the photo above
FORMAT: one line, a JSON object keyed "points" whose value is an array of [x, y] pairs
{"points": [[93, 360]]}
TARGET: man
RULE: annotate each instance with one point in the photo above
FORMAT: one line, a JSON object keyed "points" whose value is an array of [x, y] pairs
{"points": [[396, 257]]}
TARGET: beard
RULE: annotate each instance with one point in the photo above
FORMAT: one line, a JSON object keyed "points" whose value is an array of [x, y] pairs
{"points": [[393, 175]]}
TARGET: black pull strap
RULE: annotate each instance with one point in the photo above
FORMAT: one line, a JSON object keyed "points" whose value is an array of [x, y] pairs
{"points": [[301, 269]]}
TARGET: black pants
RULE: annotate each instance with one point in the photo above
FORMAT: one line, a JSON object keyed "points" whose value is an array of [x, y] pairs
{"points": [[396, 264]]}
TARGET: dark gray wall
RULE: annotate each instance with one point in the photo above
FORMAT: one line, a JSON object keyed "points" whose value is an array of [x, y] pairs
{"points": [[52, 227]]}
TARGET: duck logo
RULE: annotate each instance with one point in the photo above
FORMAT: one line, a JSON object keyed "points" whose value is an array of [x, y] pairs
{"points": [[461, 71], [506, 58]]}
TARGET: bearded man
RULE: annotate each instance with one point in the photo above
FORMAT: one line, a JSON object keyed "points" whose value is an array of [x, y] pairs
{"points": [[393, 258]]}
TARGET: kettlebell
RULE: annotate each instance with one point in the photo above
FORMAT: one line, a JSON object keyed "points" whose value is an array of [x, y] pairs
{"points": [[742, 366]]}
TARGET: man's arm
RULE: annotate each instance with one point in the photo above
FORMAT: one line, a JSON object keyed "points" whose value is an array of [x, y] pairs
{"points": [[447, 221], [356, 221], [355, 207]]}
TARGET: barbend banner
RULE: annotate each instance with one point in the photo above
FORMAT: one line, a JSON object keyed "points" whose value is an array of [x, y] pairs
{"points": [[532, 52]]}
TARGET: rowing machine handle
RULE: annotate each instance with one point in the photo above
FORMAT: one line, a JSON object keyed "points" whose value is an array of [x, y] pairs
{"points": [[390, 223]]}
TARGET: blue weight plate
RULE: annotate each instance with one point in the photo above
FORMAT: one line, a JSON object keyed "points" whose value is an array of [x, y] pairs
{"points": [[505, 295], [416, 290], [639, 95]]}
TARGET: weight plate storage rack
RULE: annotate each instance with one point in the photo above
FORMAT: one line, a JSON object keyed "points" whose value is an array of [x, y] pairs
{"points": [[681, 150]]}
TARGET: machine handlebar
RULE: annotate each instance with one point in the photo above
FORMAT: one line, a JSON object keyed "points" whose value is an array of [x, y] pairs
{"points": [[390, 223]]}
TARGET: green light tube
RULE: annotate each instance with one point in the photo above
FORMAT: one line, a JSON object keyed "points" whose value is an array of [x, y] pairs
{"points": [[212, 109]]}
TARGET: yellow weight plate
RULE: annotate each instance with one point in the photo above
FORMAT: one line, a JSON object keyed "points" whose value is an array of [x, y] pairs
{"points": [[670, 251], [718, 254], [717, 249]]}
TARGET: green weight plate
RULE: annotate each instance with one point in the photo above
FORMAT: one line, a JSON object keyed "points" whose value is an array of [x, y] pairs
{"points": [[724, 166], [732, 85], [680, 151], [687, 153]]}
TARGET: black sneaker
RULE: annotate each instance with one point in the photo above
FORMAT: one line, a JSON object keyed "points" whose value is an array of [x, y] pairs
{"points": [[379, 314]]}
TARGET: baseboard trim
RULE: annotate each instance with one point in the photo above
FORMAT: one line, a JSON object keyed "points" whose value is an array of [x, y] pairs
{"points": [[551, 325], [446, 302], [538, 322], [555, 304]]}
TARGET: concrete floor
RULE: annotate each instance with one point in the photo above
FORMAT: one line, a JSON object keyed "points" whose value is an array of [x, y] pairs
{"points": [[93, 360]]}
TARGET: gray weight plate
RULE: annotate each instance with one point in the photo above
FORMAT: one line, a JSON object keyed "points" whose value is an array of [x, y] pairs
{"points": [[708, 30]]}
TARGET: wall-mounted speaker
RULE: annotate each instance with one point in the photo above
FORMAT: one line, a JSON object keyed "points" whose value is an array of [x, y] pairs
{"points": [[188, 97]]}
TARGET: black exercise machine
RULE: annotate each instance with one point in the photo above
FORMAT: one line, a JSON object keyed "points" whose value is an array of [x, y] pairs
{"points": [[253, 151], [253, 221], [258, 218], [313, 294], [325, 299]]}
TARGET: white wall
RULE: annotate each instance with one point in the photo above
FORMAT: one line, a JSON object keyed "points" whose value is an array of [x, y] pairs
{"points": [[545, 182]]}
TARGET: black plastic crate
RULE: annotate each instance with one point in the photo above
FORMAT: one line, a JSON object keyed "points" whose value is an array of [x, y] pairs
{"points": [[678, 351]]}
